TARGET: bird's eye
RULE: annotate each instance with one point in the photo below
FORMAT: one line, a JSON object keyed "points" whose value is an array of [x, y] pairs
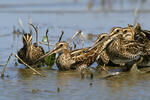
{"points": [[61, 45], [125, 31], [100, 38], [103, 37], [117, 30]]}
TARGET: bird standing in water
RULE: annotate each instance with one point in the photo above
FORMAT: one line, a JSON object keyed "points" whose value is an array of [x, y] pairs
{"points": [[30, 52], [144, 37], [103, 59], [77, 59], [124, 50]]}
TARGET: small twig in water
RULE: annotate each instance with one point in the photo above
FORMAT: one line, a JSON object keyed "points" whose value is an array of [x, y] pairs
{"points": [[82, 75], [91, 76], [46, 43], [62, 33], [111, 75], [36, 31], [91, 84], [58, 89], [30, 22], [21, 25], [70, 47], [2, 74], [77, 33], [74, 45], [28, 65], [135, 15], [80, 35], [47, 39]]}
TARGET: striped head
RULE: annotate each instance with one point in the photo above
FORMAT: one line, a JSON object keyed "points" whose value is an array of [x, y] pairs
{"points": [[27, 39], [134, 33], [140, 35], [100, 37], [60, 47], [116, 30], [128, 33]]}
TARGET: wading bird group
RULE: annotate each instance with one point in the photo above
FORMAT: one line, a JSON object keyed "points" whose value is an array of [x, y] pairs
{"points": [[123, 46]]}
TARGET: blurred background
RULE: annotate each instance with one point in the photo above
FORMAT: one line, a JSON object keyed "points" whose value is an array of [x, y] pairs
{"points": [[92, 17]]}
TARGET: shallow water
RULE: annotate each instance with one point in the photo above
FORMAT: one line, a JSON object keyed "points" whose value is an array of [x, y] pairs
{"points": [[69, 16]]}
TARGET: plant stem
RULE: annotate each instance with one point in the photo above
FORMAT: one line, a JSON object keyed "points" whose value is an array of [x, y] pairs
{"points": [[47, 39], [28, 65], [2, 74]]}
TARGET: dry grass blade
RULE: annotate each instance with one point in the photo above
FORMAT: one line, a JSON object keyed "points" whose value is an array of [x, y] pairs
{"points": [[82, 39], [135, 15], [28, 65], [36, 30], [46, 44], [2, 74], [30, 22], [112, 75], [74, 45], [80, 35], [21, 25], [73, 36], [47, 39], [62, 33]]}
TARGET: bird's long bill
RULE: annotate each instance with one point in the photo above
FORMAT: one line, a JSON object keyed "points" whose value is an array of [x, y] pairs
{"points": [[47, 54], [105, 41], [94, 46]]}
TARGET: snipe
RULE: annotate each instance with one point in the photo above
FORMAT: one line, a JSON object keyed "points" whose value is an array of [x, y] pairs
{"points": [[30, 52], [103, 58], [77, 59], [144, 37], [124, 49]]}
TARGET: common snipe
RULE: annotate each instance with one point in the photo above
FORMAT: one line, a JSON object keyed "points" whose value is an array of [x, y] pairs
{"points": [[144, 37], [103, 59], [30, 52], [124, 49], [79, 58]]}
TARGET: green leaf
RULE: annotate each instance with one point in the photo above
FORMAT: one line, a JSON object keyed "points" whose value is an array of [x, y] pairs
{"points": [[50, 60], [44, 39]]}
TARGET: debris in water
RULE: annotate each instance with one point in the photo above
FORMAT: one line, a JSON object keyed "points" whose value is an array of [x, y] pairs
{"points": [[58, 89], [2, 74]]}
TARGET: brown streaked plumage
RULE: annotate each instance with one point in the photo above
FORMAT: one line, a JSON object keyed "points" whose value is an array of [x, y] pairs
{"points": [[128, 33], [135, 33], [124, 50], [144, 37], [30, 52], [79, 58], [103, 59]]}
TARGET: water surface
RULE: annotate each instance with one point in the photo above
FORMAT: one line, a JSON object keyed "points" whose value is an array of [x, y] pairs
{"points": [[70, 16]]}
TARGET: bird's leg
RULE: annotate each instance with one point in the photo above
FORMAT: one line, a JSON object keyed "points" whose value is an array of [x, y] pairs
{"points": [[87, 71], [101, 68], [104, 68], [134, 66]]}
